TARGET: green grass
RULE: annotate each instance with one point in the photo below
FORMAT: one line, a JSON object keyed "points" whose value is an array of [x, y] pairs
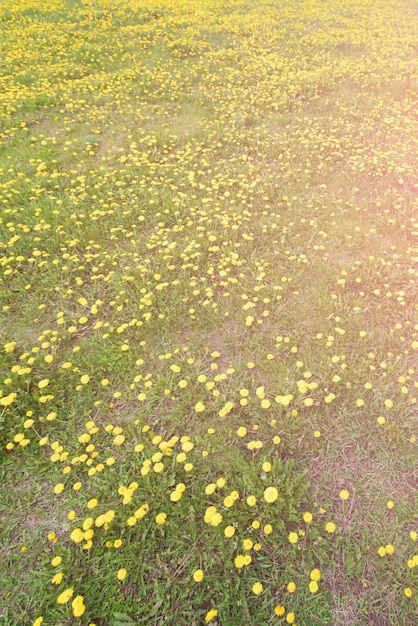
{"points": [[208, 252]]}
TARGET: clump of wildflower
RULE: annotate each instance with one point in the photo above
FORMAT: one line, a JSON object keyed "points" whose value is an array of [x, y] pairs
{"points": [[212, 516]]}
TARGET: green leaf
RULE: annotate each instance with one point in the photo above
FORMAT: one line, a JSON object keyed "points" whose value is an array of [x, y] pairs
{"points": [[156, 607], [122, 619], [349, 562]]}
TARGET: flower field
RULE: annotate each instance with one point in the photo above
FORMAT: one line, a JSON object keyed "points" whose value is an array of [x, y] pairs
{"points": [[208, 312]]}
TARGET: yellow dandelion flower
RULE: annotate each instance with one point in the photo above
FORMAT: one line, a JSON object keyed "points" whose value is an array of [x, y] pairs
{"points": [[313, 586], [271, 494], [121, 574], [109, 516], [247, 544], [228, 502], [160, 519], [229, 531], [57, 578], [175, 495], [279, 610], [315, 574], [210, 615], [77, 535], [198, 575], [239, 561], [65, 596], [257, 588], [78, 606]]}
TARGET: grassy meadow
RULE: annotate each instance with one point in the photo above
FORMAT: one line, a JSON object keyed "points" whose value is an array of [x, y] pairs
{"points": [[208, 312]]}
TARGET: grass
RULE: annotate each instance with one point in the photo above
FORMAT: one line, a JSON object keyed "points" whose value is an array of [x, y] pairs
{"points": [[208, 251]]}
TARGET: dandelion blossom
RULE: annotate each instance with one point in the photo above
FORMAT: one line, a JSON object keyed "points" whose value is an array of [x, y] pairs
{"points": [[271, 494], [229, 531], [121, 574], [279, 610], [315, 574], [198, 575], [57, 578], [78, 606], [257, 588], [64, 597], [313, 586], [210, 615]]}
